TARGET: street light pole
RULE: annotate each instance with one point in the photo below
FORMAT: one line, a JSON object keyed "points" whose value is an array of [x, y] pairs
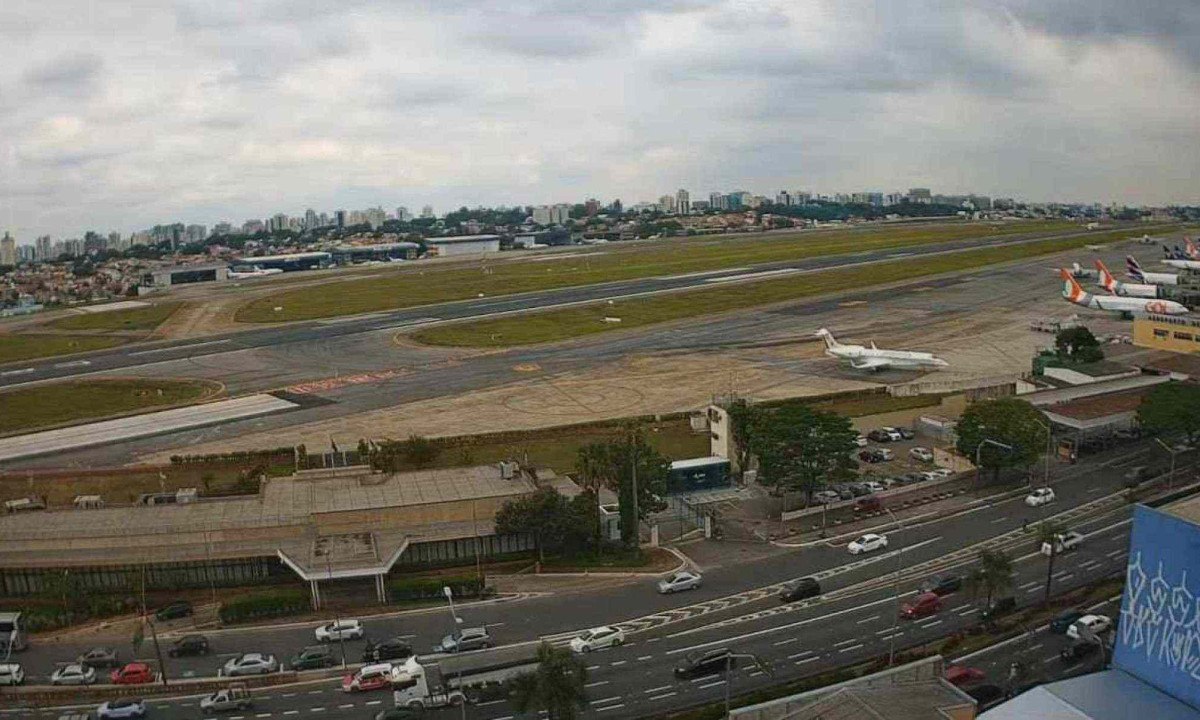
{"points": [[457, 621], [979, 449], [337, 621], [895, 595], [1171, 475], [729, 666]]}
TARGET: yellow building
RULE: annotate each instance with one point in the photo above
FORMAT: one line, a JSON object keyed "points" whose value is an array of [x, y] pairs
{"points": [[1163, 332]]}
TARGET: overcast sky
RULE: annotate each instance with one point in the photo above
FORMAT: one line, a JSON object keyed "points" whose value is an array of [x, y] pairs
{"points": [[118, 115]]}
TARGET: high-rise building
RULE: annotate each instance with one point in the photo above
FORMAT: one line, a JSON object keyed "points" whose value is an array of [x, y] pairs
{"points": [[8, 250], [683, 202], [427, 211], [560, 214], [617, 207], [920, 195], [341, 218], [376, 216], [542, 215], [717, 201], [26, 253], [310, 219], [591, 207], [666, 204], [402, 214], [44, 249], [222, 228]]}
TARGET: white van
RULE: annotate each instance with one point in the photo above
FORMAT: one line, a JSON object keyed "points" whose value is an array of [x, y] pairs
{"points": [[11, 674]]}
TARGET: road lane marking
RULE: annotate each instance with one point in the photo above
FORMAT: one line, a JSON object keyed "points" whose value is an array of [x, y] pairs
{"points": [[73, 363], [712, 684], [22, 371], [845, 642], [343, 706], [658, 689], [799, 654], [785, 642], [1028, 585], [968, 611], [663, 696], [864, 621], [607, 699], [380, 702], [593, 667], [288, 695], [999, 520], [598, 683], [886, 631], [645, 657], [291, 712], [805, 660], [610, 707], [852, 647], [497, 702], [618, 662], [889, 637], [179, 347], [926, 626]]}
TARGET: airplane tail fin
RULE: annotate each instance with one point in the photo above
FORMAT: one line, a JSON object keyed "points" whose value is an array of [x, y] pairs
{"points": [[1133, 269], [1071, 289], [1107, 281], [827, 336], [1192, 252]]}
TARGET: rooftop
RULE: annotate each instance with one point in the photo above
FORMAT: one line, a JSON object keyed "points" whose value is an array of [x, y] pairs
{"points": [[461, 238], [1107, 695], [1100, 406]]}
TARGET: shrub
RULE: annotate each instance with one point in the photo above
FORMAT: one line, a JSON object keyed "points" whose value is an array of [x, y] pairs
{"points": [[430, 588], [265, 605]]}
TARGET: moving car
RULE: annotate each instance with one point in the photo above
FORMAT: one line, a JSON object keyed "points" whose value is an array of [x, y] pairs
{"points": [[134, 673], [998, 608], [99, 657], [348, 629], [960, 675], [189, 645], [174, 611], [234, 697], [699, 664], [73, 674], [313, 657], [1062, 543], [369, 677], [923, 454], [1078, 650], [923, 605], [1063, 621], [250, 664], [802, 589], [11, 674], [121, 709], [392, 649], [465, 639], [942, 584], [869, 503], [596, 638], [867, 543], [682, 580], [1097, 624], [1040, 496]]}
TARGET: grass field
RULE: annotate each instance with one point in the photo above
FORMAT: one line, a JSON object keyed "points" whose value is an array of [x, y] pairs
{"points": [[14, 348], [145, 318], [40, 406], [584, 320], [615, 262]]}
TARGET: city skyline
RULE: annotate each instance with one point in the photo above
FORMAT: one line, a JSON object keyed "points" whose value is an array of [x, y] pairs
{"points": [[203, 111]]}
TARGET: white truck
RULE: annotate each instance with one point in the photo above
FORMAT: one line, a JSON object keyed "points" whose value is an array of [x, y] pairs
{"points": [[1063, 543], [418, 686], [234, 697]]}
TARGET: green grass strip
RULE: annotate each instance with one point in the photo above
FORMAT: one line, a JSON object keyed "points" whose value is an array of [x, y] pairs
{"points": [[14, 348], [143, 318], [42, 406]]}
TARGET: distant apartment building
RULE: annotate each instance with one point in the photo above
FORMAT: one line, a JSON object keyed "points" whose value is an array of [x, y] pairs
{"points": [[44, 248], [683, 202], [427, 211], [893, 199], [402, 214], [222, 228], [340, 215], [8, 250], [666, 204], [591, 207], [717, 201], [699, 206], [552, 214], [921, 196], [253, 226]]}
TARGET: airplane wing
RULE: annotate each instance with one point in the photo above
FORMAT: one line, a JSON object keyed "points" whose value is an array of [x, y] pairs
{"points": [[869, 364]]}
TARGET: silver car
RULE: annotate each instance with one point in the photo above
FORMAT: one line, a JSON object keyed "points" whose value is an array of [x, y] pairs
{"points": [[73, 674], [250, 664], [682, 580], [123, 709]]}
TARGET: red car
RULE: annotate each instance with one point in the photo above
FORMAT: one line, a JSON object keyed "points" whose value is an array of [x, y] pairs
{"points": [[961, 675], [369, 677], [869, 503], [921, 606], [134, 673]]}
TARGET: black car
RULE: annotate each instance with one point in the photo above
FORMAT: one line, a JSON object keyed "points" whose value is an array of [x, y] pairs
{"points": [[998, 608], [871, 456], [313, 658], [800, 590], [986, 695], [905, 433], [99, 657], [1059, 624], [843, 490], [393, 649], [858, 489], [174, 611], [879, 436], [1078, 650], [942, 584], [189, 645], [706, 663]]}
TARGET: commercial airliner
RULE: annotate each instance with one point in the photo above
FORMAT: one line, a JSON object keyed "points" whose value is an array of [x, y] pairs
{"points": [[1116, 287], [872, 358], [1124, 305], [256, 271], [1134, 270], [1179, 259]]}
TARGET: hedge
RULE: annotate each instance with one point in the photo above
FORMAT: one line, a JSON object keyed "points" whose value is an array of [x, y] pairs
{"points": [[430, 588], [265, 605]]}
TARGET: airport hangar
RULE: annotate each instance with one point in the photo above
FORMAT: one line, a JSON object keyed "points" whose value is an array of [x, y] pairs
{"points": [[325, 525]]}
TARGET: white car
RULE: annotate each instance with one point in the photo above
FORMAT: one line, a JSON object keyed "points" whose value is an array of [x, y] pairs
{"points": [[893, 433], [867, 543], [122, 709], [875, 486], [861, 441], [1040, 496], [682, 580], [340, 630], [11, 674], [923, 454], [596, 638], [1098, 624], [73, 674], [250, 664]]}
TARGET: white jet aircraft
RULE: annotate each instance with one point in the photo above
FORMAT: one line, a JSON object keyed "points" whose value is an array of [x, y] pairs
{"points": [[256, 271], [1116, 287], [1134, 270], [1124, 305], [872, 358]]}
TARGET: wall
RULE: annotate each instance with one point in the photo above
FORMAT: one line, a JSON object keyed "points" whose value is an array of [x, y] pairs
{"points": [[1174, 334], [1158, 636]]}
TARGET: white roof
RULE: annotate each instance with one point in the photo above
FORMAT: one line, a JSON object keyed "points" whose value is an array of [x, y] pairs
{"points": [[697, 462], [461, 238]]}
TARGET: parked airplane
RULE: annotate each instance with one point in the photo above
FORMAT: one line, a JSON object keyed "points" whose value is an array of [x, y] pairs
{"points": [[1178, 259], [1116, 287], [872, 358], [1134, 270], [1124, 305], [256, 271]]}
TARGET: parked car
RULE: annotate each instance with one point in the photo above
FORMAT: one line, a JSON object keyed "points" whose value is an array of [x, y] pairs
{"points": [[189, 645], [682, 580], [73, 674], [867, 543], [121, 709], [11, 674], [1097, 624], [824, 497], [369, 677], [998, 608], [99, 657], [465, 639], [913, 477], [875, 486], [844, 492], [873, 455], [1040, 496], [923, 454], [312, 658], [942, 584], [923, 605], [346, 629], [858, 489], [1063, 543], [879, 435], [960, 675], [1063, 621], [800, 590], [1078, 650], [174, 611], [598, 637], [250, 664], [905, 433], [869, 503], [392, 649], [134, 673], [234, 697], [893, 434], [712, 662], [860, 441]]}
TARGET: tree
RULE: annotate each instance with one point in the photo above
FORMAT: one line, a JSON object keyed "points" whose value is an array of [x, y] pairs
{"points": [[1009, 421], [1172, 409], [1048, 532], [556, 686], [743, 418], [613, 463], [993, 575], [553, 521], [803, 449], [1078, 345]]}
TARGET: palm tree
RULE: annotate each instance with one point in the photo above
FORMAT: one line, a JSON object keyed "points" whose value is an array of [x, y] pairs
{"points": [[592, 469], [993, 575], [1048, 532], [557, 686]]}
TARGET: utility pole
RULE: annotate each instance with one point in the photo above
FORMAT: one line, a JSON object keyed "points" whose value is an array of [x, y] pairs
{"points": [[895, 595], [337, 621], [162, 666], [637, 523]]}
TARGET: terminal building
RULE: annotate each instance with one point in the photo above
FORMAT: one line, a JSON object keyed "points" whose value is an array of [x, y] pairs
{"points": [[1179, 334], [463, 245], [287, 263], [166, 277], [351, 254]]}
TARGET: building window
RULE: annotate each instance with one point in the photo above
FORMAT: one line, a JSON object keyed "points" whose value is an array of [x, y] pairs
{"points": [[1183, 336], [1161, 334]]}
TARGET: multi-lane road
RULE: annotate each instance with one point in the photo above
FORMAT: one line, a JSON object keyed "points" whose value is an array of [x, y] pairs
{"points": [[736, 608]]}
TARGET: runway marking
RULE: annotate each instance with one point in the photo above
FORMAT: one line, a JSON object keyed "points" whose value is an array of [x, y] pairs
{"points": [[73, 363], [754, 275], [179, 347], [408, 324], [22, 371], [851, 648]]}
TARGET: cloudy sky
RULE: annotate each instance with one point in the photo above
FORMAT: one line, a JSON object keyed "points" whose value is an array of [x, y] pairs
{"points": [[117, 115]]}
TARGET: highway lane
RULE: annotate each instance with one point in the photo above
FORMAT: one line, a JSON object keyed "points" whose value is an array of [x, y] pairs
{"points": [[132, 356], [728, 593]]}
